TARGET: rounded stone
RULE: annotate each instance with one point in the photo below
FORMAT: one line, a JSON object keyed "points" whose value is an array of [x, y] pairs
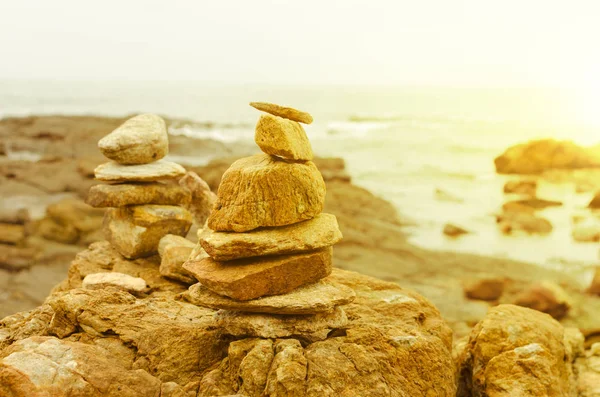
{"points": [[140, 140], [261, 190]]}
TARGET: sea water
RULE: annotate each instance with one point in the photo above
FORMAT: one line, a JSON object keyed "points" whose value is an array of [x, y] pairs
{"points": [[402, 143]]}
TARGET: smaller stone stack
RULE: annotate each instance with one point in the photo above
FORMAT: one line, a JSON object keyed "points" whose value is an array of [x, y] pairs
{"points": [[267, 249], [142, 209]]}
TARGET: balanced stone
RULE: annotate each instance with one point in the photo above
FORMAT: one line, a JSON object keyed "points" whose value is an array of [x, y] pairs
{"points": [[174, 251], [260, 191], [281, 137], [321, 296], [251, 278], [313, 327], [135, 231], [102, 196], [158, 170], [119, 280], [321, 231], [140, 140], [171, 263], [202, 198], [173, 240], [283, 111]]}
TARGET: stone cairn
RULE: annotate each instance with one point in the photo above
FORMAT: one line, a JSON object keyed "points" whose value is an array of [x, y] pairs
{"points": [[265, 254], [142, 209]]}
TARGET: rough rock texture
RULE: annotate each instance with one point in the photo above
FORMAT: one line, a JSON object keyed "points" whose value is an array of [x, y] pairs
{"points": [[516, 351], [47, 366], [262, 191], [251, 278], [113, 279], [136, 231], [321, 231], [158, 170], [174, 240], [102, 196], [171, 262], [537, 156], [283, 111], [309, 327], [546, 297], [141, 139], [588, 372], [202, 198], [394, 344], [283, 138], [322, 296], [526, 187], [486, 289]]}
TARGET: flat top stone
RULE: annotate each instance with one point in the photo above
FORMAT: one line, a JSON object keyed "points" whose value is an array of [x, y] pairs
{"points": [[283, 111], [321, 231], [103, 196], [146, 215], [251, 278], [314, 326], [319, 297], [140, 140], [121, 280], [158, 170], [282, 137]]}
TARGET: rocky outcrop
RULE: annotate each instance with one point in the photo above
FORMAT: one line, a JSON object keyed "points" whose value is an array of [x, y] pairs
{"points": [[537, 156], [516, 351], [107, 342]]}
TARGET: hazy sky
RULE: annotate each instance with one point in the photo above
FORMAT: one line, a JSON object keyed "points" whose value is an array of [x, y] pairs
{"points": [[416, 42]]}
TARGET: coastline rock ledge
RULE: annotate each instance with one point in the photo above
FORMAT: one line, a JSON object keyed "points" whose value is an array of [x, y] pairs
{"points": [[118, 327]]}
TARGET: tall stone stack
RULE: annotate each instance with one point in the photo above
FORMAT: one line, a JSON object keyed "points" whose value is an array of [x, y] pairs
{"points": [[142, 207], [268, 246]]}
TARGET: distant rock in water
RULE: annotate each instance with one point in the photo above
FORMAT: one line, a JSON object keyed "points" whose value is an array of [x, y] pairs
{"points": [[485, 289], [454, 231], [546, 297], [537, 156], [595, 203], [529, 205], [526, 187], [512, 221]]}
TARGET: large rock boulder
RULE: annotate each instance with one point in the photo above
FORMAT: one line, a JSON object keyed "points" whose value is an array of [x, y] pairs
{"points": [[107, 342], [260, 191], [537, 156], [515, 351]]}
